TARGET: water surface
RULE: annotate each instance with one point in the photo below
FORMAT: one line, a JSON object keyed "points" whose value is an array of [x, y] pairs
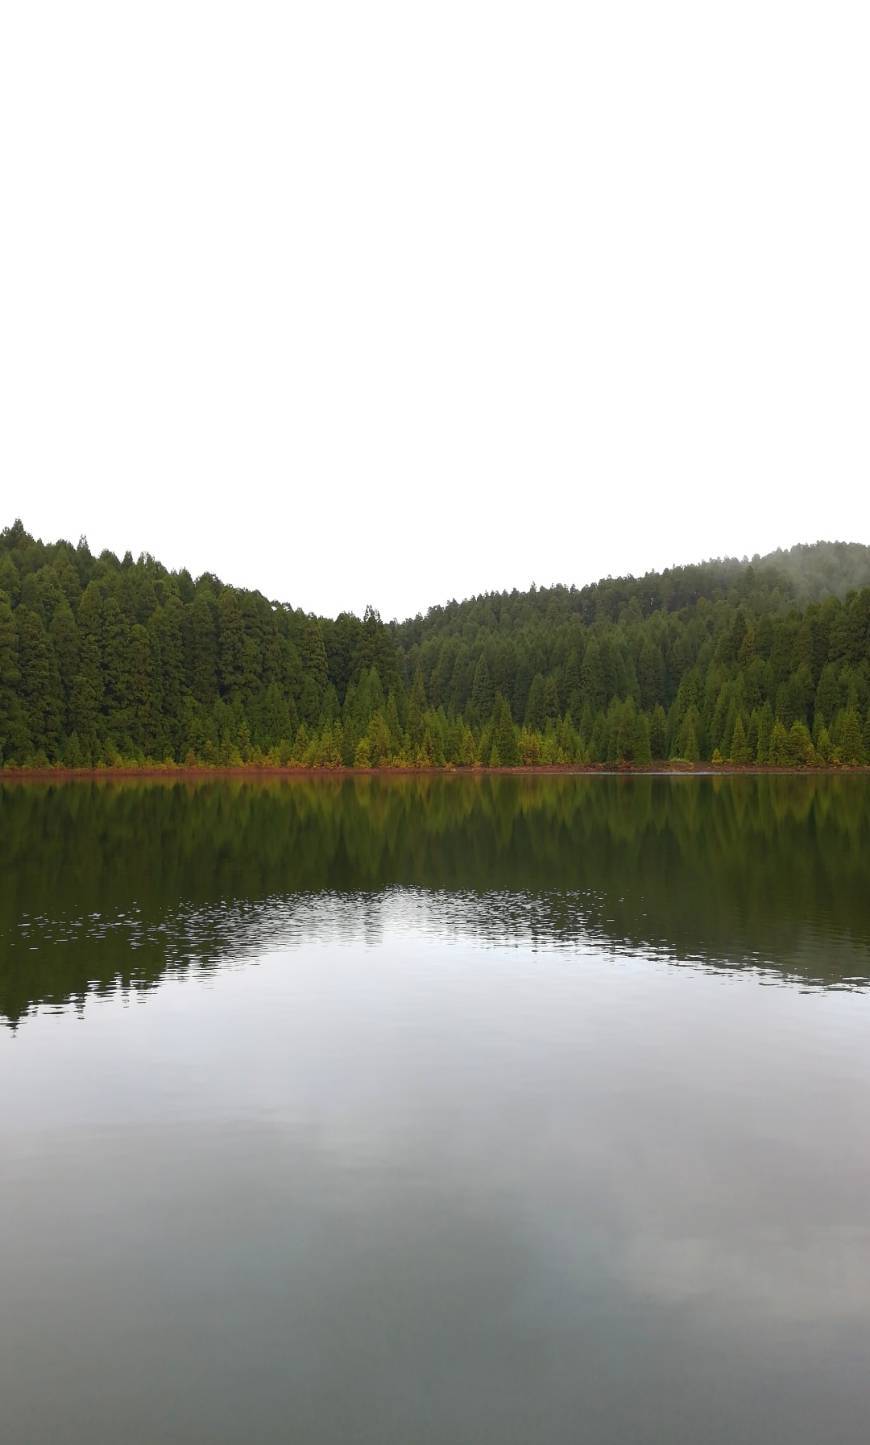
{"points": [[435, 1110]]}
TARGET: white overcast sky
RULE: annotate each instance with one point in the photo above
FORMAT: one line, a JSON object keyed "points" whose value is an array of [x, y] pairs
{"points": [[399, 302]]}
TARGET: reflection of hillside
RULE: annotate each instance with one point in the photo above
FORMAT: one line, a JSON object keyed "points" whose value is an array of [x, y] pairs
{"points": [[101, 883]]}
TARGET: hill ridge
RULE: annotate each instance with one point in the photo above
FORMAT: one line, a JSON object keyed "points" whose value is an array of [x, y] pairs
{"points": [[113, 661]]}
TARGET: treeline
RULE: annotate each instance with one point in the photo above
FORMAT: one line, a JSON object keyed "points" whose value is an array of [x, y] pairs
{"points": [[108, 661]]}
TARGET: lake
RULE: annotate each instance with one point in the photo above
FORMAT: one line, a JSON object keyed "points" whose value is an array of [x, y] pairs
{"points": [[435, 1111]]}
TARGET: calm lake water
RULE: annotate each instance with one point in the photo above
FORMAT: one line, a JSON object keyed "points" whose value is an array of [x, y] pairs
{"points": [[452, 1111]]}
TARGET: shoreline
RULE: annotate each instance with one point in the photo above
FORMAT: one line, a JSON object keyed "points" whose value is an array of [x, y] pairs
{"points": [[183, 773]]}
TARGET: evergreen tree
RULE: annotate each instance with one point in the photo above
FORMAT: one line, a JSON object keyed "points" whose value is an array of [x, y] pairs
{"points": [[535, 711], [551, 701], [200, 649], [504, 739], [315, 674], [740, 749], [482, 695], [65, 646], [687, 746], [15, 743], [801, 752], [416, 710], [848, 738], [40, 688], [630, 739], [658, 733], [778, 752], [764, 731], [823, 746]]}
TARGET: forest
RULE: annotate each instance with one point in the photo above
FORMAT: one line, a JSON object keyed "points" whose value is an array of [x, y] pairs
{"points": [[120, 662]]}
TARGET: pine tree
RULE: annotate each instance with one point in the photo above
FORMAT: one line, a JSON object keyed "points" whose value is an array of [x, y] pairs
{"points": [[166, 645], [200, 649], [848, 739], [535, 711], [482, 696], [40, 687], [687, 746], [630, 739], [142, 697], [801, 752], [379, 740], [765, 730], [823, 746], [529, 747], [658, 733], [594, 681], [14, 735], [778, 751], [504, 733], [651, 674], [65, 646], [231, 632], [740, 750], [315, 672], [551, 701], [416, 709]]}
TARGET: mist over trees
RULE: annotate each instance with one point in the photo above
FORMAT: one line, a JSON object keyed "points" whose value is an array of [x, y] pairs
{"points": [[108, 661]]}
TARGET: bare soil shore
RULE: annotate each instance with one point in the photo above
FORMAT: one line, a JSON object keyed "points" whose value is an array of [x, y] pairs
{"points": [[182, 772]]}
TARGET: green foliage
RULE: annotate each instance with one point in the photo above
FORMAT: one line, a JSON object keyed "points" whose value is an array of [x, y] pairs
{"points": [[848, 737], [125, 662], [504, 740], [740, 749], [658, 733]]}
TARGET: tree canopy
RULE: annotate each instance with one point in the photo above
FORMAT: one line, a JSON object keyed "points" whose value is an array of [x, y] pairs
{"points": [[108, 661]]}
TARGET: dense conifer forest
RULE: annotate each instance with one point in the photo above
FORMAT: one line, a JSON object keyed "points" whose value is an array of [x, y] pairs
{"points": [[120, 662]]}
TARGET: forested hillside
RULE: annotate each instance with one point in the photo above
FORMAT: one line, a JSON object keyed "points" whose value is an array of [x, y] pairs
{"points": [[120, 661]]}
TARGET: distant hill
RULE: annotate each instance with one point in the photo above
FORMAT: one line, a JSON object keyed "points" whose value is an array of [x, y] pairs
{"points": [[807, 572], [115, 660], [823, 569]]}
